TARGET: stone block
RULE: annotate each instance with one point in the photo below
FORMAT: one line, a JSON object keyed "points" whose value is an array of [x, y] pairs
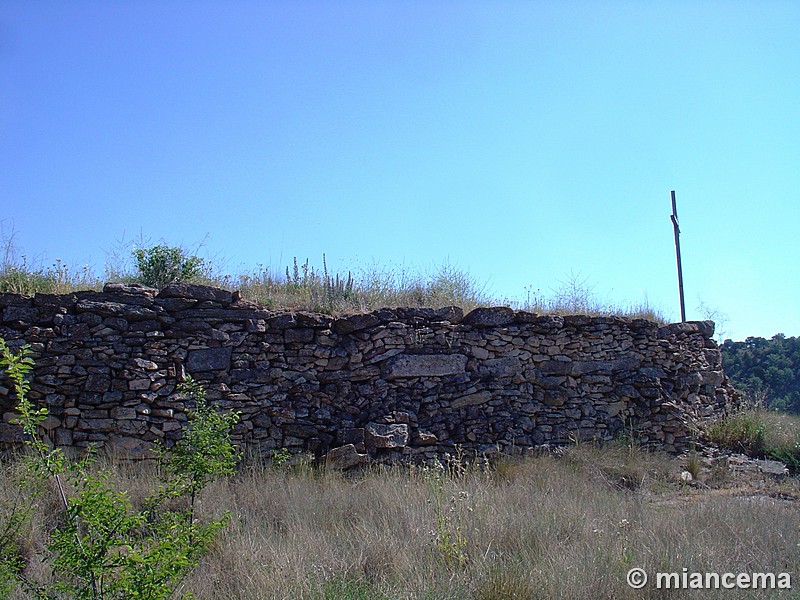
{"points": [[353, 323], [344, 457], [130, 312], [122, 412], [425, 365], [555, 367], [581, 367], [353, 435], [196, 292], [713, 378], [302, 335], [62, 437], [136, 289], [20, 314], [555, 398], [97, 382], [475, 399], [449, 314], [11, 433], [139, 384], [209, 359], [96, 425], [507, 366], [480, 353], [489, 317], [381, 435], [147, 365], [615, 408], [129, 447], [255, 375]]}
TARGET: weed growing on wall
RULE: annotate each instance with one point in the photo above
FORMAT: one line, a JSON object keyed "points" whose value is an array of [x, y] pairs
{"points": [[160, 265], [302, 286], [104, 546]]}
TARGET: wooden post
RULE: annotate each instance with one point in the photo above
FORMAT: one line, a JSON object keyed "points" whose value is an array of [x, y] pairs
{"points": [[678, 254]]}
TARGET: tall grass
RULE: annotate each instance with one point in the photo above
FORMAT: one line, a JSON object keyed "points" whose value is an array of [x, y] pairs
{"points": [[302, 286], [23, 275], [547, 526], [575, 294], [760, 433]]}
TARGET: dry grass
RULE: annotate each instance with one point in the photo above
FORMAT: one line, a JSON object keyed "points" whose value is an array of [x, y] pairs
{"points": [[302, 286], [549, 526], [305, 288], [760, 433]]}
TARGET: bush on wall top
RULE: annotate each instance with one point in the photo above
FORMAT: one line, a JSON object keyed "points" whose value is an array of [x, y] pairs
{"points": [[160, 265]]}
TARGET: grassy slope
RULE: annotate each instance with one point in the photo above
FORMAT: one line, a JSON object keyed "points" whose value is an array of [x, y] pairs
{"points": [[567, 526]]}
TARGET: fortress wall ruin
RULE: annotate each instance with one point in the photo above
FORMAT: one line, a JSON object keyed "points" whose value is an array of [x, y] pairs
{"points": [[405, 384]]}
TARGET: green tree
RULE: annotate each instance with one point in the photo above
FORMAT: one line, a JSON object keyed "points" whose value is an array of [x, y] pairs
{"points": [[766, 368]]}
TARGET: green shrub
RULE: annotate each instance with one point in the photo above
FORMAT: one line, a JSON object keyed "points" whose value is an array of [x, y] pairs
{"points": [[160, 265], [103, 546], [760, 433], [743, 431], [788, 455], [782, 437]]}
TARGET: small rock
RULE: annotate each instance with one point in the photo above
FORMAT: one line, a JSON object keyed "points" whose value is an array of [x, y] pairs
{"points": [[379, 435], [344, 457], [772, 467], [425, 439]]}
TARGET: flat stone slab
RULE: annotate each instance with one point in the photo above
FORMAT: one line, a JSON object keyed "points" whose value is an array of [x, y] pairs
{"points": [[425, 365], [209, 359], [353, 323], [490, 317], [196, 292], [772, 467], [130, 312], [129, 288], [472, 399], [582, 367]]}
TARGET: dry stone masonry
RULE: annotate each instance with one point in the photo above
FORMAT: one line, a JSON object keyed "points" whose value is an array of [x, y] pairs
{"points": [[406, 384]]}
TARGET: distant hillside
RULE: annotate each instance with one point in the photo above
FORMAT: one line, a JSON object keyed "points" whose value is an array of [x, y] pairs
{"points": [[766, 369]]}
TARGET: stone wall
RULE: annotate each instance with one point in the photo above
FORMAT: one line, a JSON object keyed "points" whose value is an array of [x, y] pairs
{"points": [[399, 384]]}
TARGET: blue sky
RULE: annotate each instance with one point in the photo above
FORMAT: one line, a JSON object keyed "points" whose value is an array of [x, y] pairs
{"points": [[523, 142]]}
